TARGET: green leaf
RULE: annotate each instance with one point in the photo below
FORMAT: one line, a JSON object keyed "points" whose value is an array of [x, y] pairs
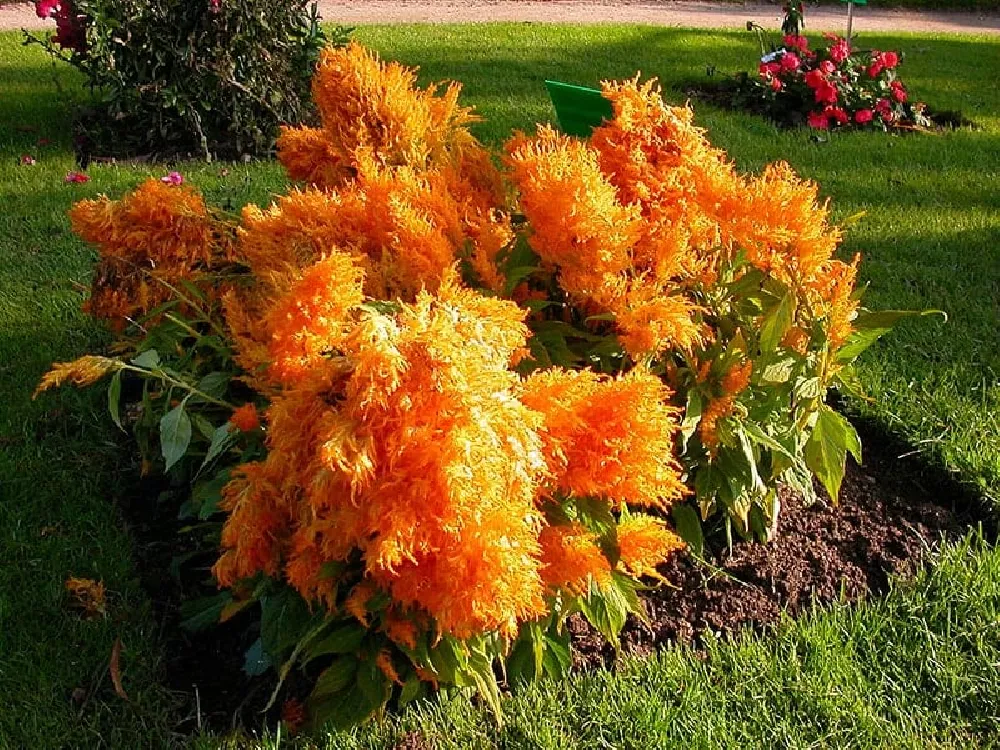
{"points": [[175, 435], [208, 494], [869, 327], [413, 689], [284, 619], [557, 658], [256, 662], [779, 371], [115, 397], [214, 384], [338, 676], [692, 414], [204, 612], [777, 322], [688, 526], [826, 451], [343, 639], [149, 359], [222, 439]]}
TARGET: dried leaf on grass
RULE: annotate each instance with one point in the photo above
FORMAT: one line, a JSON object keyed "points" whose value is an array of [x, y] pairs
{"points": [[116, 669]]}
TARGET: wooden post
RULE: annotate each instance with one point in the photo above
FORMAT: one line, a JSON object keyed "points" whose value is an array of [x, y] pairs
{"points": [[850, 19]]}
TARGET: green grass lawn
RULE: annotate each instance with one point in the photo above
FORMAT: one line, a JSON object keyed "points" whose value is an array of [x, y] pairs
{"points": [[916, 670]]}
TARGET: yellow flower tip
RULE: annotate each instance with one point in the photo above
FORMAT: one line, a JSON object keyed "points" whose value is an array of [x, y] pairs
{"points": [[645, 542], [81, 372], [88, 596]]}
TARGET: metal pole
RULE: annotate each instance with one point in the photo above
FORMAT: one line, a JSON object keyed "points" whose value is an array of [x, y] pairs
{"points": [[850, 18]]}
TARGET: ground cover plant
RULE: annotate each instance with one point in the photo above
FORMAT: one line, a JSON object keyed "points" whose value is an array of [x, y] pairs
{"points": [[936, 391]]}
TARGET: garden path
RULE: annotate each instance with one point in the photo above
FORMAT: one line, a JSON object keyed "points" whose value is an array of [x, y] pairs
{"points": [[659, 12]]}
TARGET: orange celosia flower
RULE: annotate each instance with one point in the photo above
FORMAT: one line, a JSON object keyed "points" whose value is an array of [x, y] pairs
{"points": [[608, 438], [309, 155], [572, 560], [81, 372], [245, 418], [577, 220], [149, 240], [645, 542]]}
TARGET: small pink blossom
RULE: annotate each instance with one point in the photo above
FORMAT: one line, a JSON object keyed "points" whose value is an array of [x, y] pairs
{"points": [[174, 178], [890, 59], [776, 84], [840, 50], [790, 61], [827, 67], [46, 8], [27, 160], [76, 177], [863, 116], [818, 120]]}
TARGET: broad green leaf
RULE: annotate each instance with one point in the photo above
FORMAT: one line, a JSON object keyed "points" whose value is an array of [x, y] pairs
{"points": [[826, 451], [222, 439], [688, 526], [204, 612], [284, 619], [338, 676], [779, 371], [777, 322], [114, 398], [869, 327], [413, 689], [343, 639], [175, 435], [148, 359], [214, 384], [480, 668], [692, 414], [208, 494], [557, 659]]}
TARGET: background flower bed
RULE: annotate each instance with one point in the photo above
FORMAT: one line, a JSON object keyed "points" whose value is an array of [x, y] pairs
{"points": [[900, 182]]}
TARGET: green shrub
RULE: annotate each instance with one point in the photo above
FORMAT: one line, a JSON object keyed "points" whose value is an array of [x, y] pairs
{"points": [[176, 77]]}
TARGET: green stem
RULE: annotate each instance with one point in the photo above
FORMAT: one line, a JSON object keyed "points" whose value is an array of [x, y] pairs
{"points": [[165, 377]]}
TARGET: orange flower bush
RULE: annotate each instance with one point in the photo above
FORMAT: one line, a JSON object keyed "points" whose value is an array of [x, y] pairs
{"points": [[465, 410]]}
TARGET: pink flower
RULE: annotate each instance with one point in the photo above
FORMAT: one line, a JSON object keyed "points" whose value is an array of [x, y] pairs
{"points": [[882, 105], [890, 59], [174, 178], [767, 70], [790, 61], [898, 92], [76, 177], [874, 69], [46, 8], [863, 116], [840, 50], [27, 160], [818, 120], [827, 67], [776, 84]]}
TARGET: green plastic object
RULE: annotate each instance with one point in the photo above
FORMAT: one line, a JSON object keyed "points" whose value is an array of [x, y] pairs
{"points": [[578, 109], [855, 2]]}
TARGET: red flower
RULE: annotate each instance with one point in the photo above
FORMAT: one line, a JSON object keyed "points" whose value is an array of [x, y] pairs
{"points": [[887, 115], [46, 8], [818, 120], [890, 59], [826, 93], [863, 116], [76, 177], [776, 84], [790, 61], [827, 67], [837, 114], [898, 92], [882, 105], [796, 42], [769, 69], [840, 50], [27, 160], [814, 79], [874, 69]]}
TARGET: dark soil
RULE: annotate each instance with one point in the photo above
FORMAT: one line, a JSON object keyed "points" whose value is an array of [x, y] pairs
{"points": [[892, 512]]}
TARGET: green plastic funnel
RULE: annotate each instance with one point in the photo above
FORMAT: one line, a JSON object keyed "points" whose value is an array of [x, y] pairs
{"points": [[578, 109]]}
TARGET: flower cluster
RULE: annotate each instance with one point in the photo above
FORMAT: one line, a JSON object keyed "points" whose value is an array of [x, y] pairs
{"points": [[469, 396], [71, 26], [836, 86]]}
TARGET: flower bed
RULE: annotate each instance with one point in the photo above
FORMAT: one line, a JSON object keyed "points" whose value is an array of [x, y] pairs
{"points": [[438, 407]]}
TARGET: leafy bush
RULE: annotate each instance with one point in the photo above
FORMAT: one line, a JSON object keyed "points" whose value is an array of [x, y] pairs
{"points": [[178, 77], [442, 406], [834, 87]]}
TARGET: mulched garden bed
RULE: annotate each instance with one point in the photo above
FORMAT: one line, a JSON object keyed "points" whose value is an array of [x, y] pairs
{"points": [[893, 511]]}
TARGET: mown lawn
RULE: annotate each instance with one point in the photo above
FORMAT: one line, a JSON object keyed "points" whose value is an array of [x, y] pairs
{"points": [[915, 670]]}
